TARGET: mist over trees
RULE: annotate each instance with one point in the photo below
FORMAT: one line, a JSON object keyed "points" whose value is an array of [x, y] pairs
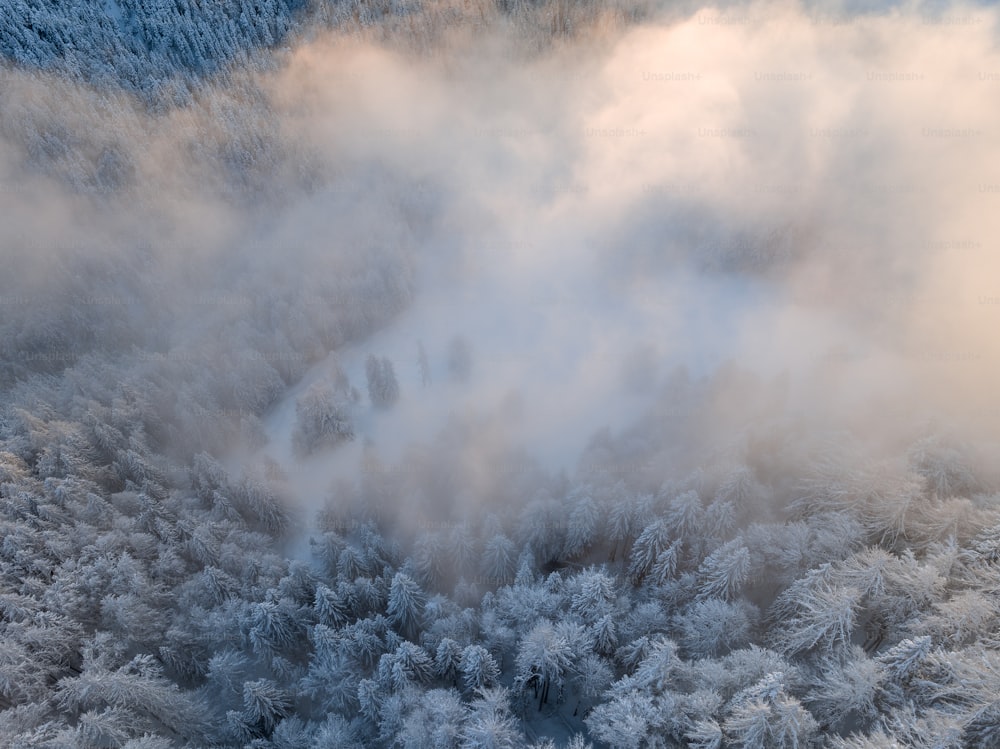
{"points": [[709, 465], [383, 389], [322, 418], [459, 359]]}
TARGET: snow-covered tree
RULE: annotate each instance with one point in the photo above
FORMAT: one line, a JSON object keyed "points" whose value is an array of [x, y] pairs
{"points": [[595, 596], [498, 560], [544, 658], [724, 571], [686, 515], [478, 668], [654, 540], [406, 604], [322, 419], [712, 626], [448, 659], [844, 690], [605, 635], [383, 388], [490, 724], [582, 523], [765, 715], [820, 615], [622, 722], [704, 734], [330, 607], [264, 704], [436, 721]]}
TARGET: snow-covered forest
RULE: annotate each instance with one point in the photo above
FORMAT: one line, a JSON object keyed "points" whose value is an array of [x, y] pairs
{"points": [[453, 374]]}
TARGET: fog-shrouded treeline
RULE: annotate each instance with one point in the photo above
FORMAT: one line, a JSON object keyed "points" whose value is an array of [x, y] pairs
{"points": [[161, 50], [498, 374]]}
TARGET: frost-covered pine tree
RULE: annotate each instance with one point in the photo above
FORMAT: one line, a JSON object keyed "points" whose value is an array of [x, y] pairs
{"points": [[478, 668], [724, 571], [765, 715], [447, 660], [271, 626], [623, 722], [490, 724], [330, 607], [406, 605], [499, 560], [595, 596], [686, 515], [712, 626], [844, 689], [322, 419], [654, 540], [665, 566], [621, 516], [544, 658], [820, 615], [605, 635], [582, 524], [383, 388], [264, 704], [435, 721]]}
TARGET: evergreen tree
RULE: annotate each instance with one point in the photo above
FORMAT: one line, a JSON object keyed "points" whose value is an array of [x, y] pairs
{"points": [[544, 657], [724, 571], [383, 389], [478, 668], [323, 419], [406, 605]]}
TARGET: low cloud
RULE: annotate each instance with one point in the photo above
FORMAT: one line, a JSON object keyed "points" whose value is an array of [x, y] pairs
{"points": [[758, 187]]}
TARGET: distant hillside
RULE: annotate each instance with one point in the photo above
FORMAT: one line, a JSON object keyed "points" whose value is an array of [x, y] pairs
{"points": [[139, 43]]}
